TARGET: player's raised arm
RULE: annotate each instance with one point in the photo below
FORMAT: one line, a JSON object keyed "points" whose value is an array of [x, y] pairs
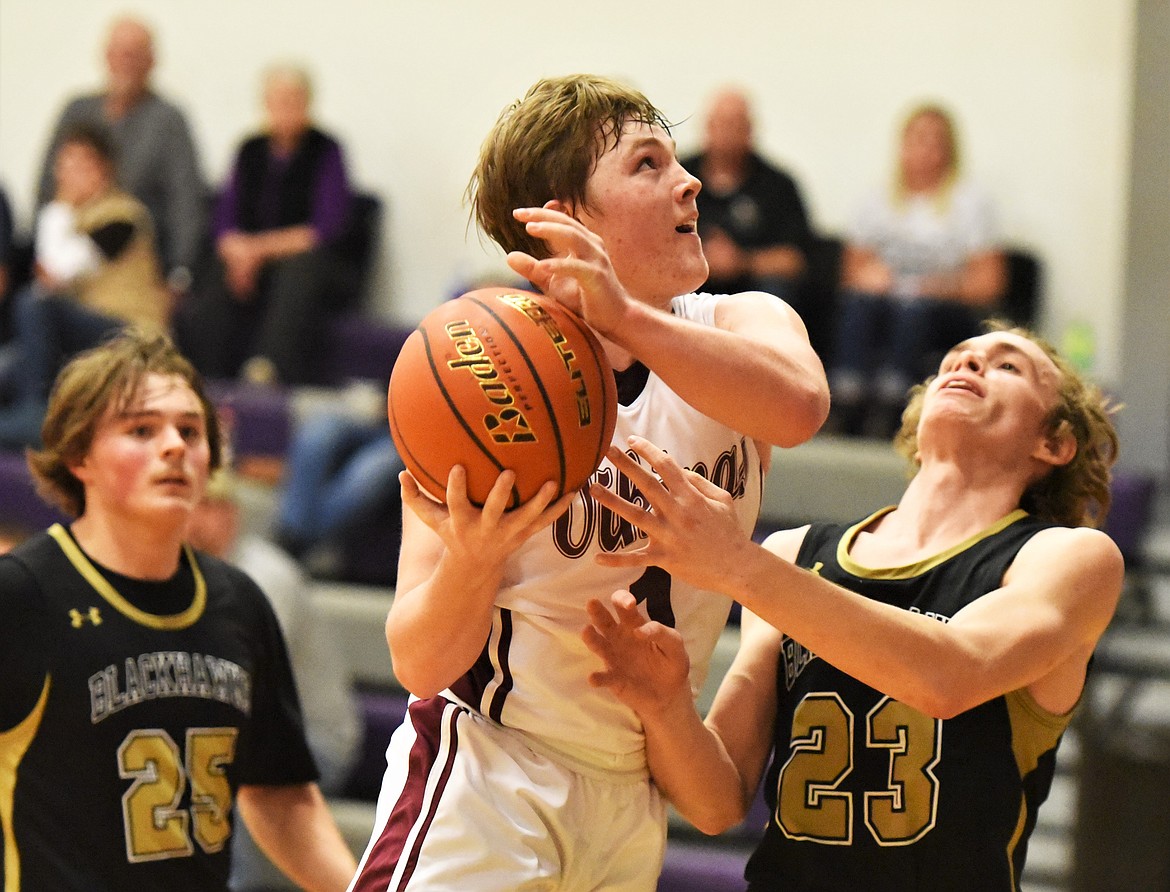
{"points": [[754, 370]]}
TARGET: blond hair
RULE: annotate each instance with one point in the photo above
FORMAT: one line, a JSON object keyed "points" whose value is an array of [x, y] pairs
{"points": [[942, 196], [545, 147], [1073, 494]]}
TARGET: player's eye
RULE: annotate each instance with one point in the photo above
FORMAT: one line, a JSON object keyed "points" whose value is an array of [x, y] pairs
{"points": [[647, 162]]}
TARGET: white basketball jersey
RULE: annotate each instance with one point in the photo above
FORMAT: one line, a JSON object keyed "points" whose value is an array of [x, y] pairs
{"points": [[533, 675]]}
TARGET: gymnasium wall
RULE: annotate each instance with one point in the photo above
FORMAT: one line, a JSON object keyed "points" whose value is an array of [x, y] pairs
{"points": [[1041, 89]]}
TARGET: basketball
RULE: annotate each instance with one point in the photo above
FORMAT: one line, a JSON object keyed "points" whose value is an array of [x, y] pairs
{"points": [[498, 379]]}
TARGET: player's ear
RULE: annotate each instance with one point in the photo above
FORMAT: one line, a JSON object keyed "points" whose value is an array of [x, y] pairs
{"points": [[80, 469], [1059, 446], [565, 207]]}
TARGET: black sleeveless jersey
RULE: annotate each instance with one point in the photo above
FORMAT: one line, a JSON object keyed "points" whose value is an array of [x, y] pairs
{"points": [[868, 794], [130, 712]]}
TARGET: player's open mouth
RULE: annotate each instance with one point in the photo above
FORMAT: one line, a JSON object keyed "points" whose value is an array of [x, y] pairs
{"points": [[961, 384], [685, 229]]}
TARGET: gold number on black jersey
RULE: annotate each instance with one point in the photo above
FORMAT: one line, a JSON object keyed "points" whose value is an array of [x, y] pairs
{"points": [[810, 804], [156, 826]]}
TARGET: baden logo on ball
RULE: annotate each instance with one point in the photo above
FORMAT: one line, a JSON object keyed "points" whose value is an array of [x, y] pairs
{"points": [[496, 379]]}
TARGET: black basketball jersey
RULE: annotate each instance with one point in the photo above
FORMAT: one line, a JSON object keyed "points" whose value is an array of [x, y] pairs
{"points": [[125, 730], [867, 793]]}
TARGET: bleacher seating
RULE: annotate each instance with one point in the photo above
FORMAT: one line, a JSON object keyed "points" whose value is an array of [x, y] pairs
{"points": [[20, 505]]}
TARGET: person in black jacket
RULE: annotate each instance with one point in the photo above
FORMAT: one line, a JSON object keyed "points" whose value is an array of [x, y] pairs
{"points": [[755, 230], [260, 307]]}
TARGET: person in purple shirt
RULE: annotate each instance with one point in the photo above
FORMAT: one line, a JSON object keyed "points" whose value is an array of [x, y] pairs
{"points": [[258, 309]]}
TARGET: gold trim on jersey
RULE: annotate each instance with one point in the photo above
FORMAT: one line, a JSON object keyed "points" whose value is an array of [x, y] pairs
{"points": [[14, 743], [102, 586], [909, 571], [1035, 732]]}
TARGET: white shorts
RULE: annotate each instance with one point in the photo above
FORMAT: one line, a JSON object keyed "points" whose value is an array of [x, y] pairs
{"points": [[468, 804]]}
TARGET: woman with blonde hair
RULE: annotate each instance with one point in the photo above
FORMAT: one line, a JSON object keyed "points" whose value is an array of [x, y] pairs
{"points": [[921, 267]]}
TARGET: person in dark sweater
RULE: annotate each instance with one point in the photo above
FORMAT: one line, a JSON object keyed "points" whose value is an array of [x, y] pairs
{"points": [[259, 307], [755, 230]]}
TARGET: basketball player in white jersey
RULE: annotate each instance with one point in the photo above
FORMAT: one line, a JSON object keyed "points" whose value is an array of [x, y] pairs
{"points": [[510, 771]]}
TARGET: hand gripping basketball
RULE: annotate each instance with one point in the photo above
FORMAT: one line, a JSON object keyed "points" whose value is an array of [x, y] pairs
{"points": [[500, 378]]}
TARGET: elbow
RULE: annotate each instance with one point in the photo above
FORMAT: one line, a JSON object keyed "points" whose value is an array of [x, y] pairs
{"points": [[716, 824], [718, 815], [414, 675], [806, 415], [944, 697], [939, 706], [419, 678], [420, 684]]}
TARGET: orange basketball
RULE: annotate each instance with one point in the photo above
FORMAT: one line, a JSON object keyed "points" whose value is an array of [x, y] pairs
{"points": [[497, 379]]}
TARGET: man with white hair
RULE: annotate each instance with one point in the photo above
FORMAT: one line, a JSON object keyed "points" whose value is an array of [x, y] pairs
{"points": [[157, 160]]}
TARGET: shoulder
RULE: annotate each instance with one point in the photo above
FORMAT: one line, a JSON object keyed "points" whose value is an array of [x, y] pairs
{"points": [[1076, 566], [718, 309], [971, 195], [698, 307], [228, 582], [254, 144], [15, 578], [20, 585], [324, 138], [748, 311], [786, 543], [85, 106], [115, 205], [765, 169], [1078, 547], [162, 107], [55, 216]]}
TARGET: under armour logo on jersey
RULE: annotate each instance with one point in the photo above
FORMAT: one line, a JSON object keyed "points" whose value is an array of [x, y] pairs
{"points": [[78, 619]]}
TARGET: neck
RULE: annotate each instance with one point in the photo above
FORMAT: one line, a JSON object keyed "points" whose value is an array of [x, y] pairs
{"points": [[284, 144], [926, 181], [119, 102], [722, 172], [140, 551], [948, 502]]}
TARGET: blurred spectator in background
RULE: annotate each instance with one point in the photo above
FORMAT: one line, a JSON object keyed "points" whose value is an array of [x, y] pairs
{"points": [[261, 310], [10, 276], [922, 266], [12, 534], [7, 259], [96, 271], [751, 217], [332, 722], [342, 474], [157, 160]]}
